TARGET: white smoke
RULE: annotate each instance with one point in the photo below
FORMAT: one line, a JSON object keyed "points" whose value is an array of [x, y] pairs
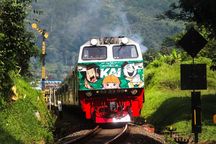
{"points": [[137, 38], [91, 16]]}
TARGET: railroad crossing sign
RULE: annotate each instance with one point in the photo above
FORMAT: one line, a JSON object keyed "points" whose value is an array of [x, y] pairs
{"points": [[193, 76], [192, 42]]}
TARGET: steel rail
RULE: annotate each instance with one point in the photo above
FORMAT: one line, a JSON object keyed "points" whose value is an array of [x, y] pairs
{"points": [[75, 140], [95, 130], [125, 128]]}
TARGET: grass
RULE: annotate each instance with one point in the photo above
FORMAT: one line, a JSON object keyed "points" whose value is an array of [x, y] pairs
{"points": [[167, 105], [18, 121]]}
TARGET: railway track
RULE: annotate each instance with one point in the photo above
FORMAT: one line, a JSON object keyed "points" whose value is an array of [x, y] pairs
{"points": [[73, 129], [97, 135]]}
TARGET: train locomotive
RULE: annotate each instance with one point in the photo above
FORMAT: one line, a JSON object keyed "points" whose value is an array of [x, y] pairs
{"points": [[108, 81]]}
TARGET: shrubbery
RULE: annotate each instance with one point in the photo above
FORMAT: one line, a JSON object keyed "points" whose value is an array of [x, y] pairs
{"points": [[167, 105]]}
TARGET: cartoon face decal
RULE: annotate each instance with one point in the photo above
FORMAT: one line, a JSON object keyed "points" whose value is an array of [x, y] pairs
{"points": [[92, 74], [111, 82], [110, 75], [129, 70], [130, 73]]}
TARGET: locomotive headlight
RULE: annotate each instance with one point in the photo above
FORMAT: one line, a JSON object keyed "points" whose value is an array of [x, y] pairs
{"points": [[134, 91], [93, 41], [88, 94], [124, 40]]}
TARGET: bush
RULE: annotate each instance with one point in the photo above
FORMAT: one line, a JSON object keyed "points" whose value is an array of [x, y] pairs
{"points": [[167, 105]]}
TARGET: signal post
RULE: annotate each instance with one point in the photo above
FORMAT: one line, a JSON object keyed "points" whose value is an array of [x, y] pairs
{"points": [[43, 47], [193, 77]]}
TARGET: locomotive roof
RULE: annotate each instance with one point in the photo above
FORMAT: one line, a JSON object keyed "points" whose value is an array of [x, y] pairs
{"points": [[110, 40]]}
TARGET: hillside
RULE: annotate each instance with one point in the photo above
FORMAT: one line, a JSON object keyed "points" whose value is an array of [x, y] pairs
{"points": [[71, 23], [167, 105], [25, 118]]}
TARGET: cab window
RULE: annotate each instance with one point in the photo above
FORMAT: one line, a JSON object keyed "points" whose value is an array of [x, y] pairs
{"points": [[94, 53], [125, 52]]}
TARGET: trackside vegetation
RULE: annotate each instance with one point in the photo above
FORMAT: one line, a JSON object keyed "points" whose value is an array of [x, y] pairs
{"points": [[25, 119], [166, 105]]}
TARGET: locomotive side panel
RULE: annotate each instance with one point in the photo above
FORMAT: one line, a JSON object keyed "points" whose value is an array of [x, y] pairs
{"points": [[68, 92]]}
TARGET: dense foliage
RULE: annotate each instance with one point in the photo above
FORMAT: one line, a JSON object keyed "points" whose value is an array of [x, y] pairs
{"points": [[24, 117], [16, 43], [201, 14]]}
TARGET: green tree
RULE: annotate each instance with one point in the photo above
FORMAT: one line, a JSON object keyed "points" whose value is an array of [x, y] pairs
{"points": [[203, 14], [16, 43], [149, 56]]}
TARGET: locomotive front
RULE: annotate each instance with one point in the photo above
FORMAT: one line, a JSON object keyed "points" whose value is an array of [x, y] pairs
{"points": [[111, 79]]}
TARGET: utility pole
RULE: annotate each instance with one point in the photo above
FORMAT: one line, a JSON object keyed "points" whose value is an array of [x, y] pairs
{"points": [[43, 47]]}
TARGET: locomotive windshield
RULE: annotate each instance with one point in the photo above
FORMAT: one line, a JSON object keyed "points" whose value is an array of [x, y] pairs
{"points": [[94, 53], [125, 51]]}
